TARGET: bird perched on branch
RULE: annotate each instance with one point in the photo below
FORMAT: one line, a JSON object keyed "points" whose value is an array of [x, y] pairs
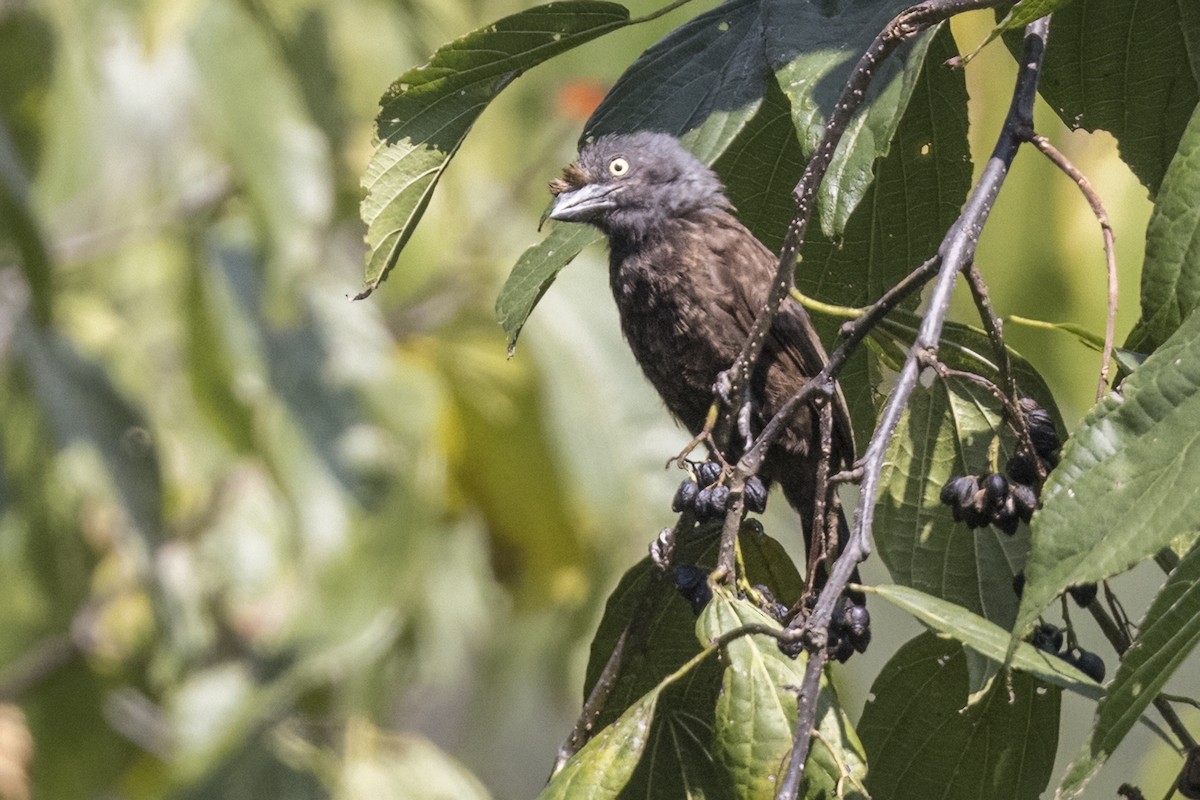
{"points": [[689, 280]]}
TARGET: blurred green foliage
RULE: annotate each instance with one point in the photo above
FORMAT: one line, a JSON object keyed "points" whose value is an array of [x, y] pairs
{"points": [[257, 540]]}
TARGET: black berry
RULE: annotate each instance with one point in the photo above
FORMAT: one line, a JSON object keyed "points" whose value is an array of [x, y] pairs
{"points": [[692, 583], [708, 473], [1083, 594], [1091, 665], [755, 494], [685, 496]]}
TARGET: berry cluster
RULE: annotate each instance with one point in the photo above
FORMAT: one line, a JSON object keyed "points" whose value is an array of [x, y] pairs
{"points": [[708, 498], [1049, 638], [849, 628], [991, 498]]}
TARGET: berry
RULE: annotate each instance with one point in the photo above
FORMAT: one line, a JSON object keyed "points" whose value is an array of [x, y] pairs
{"points": [[841, 648], [755, 494], [1083, 594], [708, 473], [703, 504], [685, 496], [1041, 430], [1091, 665], [1022, 469], [1024, 500], [719, 500], [692, 583], [958, 490], [995, 490], [1048, 638], [1005, 517]]}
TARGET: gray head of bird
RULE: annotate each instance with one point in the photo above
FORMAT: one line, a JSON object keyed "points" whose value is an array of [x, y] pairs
{"points": [[632, 184]]}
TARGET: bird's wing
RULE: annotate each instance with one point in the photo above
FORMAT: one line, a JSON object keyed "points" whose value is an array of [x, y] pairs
{"points": [[792, 341]]}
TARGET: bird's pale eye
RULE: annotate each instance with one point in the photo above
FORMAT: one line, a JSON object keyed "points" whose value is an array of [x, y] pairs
{"points": [[618, 167]]}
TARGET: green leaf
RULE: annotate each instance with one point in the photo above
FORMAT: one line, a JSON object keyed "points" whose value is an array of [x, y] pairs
{"points": [[756, 711], [667, 628], [535, 270], [1128, 68], [527, 510], [922, 743], [1020, 15], [1166, 636], [702, 82], [605, 764], [952, 428], [1129, 479], [1171, 270], [425, 115], [812, 53], [679, 761], [986, 638], [209, 312]]}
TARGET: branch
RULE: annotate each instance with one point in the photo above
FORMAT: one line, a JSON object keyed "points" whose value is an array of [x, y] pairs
{"points": [[1110, 257], [956, 252]]}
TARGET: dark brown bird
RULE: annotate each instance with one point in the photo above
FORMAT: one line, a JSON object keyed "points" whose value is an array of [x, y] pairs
{"points": [[689, 280]]}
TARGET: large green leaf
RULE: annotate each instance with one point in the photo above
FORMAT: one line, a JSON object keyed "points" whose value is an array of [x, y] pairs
{"points": [[1128, 68], [922, 743], [27, 51], [952, 428], [985, 638], [1020, 15], [425, 115], [667, 640], [812, 53], [606, 763], [1129, 480], [1167, 634], [535, 270], [703, 82], [756, 712], [1171, 271], [679, 761]]}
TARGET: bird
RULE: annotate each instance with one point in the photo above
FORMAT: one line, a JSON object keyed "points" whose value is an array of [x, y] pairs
{"points": [[689, 280]]}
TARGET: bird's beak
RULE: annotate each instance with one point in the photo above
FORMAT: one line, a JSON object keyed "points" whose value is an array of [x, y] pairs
{"points": [[585, 203]]}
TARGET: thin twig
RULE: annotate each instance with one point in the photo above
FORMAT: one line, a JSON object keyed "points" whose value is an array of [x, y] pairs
{"points": [[1110, 257], [995, 331], [1118, 637], [957, 249]]}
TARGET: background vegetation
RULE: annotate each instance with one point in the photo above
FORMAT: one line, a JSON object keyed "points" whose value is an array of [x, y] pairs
{"points": [[257, 540]]}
